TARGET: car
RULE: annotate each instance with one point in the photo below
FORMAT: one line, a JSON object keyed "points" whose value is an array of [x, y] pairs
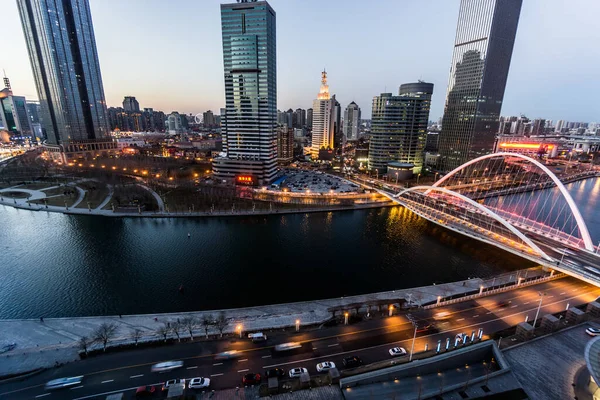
{"points": [[171, 382], [325, 366], [352, 362], [227, 355], [425, 327], [288, 346], [199, 383], [592, 331], [397, 351], [251, 379], [61, 383], [144, 391], [503, 303], [296, 372], [275, 373], [167, 366], [442, 315]]}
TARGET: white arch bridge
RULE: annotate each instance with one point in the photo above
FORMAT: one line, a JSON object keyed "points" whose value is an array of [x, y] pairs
{"points": [[548, 230]]}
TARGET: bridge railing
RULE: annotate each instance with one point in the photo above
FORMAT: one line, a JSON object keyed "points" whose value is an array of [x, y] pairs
{"points": [[505, 288]]}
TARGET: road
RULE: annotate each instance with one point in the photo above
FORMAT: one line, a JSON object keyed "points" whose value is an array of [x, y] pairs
{"points": [[370, 340]]}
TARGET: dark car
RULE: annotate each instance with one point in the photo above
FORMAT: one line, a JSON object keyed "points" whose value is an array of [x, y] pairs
{"points": [[504, 303], [425, 327], [251, 379], [352, 362], [143, 391], [275, 373]]}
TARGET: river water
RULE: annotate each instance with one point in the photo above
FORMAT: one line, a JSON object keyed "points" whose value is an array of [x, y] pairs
{"points": [[56, 265]]}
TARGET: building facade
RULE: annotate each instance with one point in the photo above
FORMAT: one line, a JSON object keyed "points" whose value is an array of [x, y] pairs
{"points": [[285, 144], [399, 127], [485, 36], [131, 104], [309, 118], [323, 120], [64, 59], [208, 119], [352, 121], [249, 58], [14, 116]]}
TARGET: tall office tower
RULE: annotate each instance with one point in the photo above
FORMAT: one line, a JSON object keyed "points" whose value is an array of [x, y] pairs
{"points": [[62, 50], [399, 126], [249, 57], [338, 134], [299, 118], [14, 116], [131, 104], [560, 124], [285, 144], [485, 36], [289, 118], [309, 118], [208, 119], [323, 123], [352, 121]]}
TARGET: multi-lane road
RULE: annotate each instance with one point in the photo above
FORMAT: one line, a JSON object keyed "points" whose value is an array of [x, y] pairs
{"points": [[370, 340]]}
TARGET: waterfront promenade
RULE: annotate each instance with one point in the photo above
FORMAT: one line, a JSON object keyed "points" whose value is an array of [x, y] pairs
{"points": [[42, 344]]}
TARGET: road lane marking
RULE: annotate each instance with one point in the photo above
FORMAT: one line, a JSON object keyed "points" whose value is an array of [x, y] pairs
{"points": [[245, 359], [216, 375], [136, 376], [488, 313], [266, 356], [460, 319], [215, 364], [76, 387], [242, 370], [560, 294], [333, 345], [476, 316], [113, 391], [192, 367], [526, 303], [42, 395], [108, 381], [516, 305]]}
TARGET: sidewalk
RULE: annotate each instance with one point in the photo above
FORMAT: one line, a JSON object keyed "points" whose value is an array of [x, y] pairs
{"points": [[42, 344]]}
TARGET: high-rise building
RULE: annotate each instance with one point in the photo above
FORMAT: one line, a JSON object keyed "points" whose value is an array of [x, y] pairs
{"points": [[299, 118], [485, 36], [174, 123], [249, 58], [285, 144], [338, 134], [399, 127], [289, 120], [13, 114], [208, 119], [352, 121], [560, 124], [309, 118], [323, 116], [131, 104], [62, 50]]}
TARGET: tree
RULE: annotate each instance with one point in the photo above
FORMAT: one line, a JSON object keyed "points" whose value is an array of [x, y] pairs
{"points": [[190, 323], [176, 329], [104, 333], [163, 331], [221, 323], [136, 335], [84, 344], [207, 322]]}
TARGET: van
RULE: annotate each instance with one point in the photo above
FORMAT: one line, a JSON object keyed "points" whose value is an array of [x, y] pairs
{"points": [[257, 337]]}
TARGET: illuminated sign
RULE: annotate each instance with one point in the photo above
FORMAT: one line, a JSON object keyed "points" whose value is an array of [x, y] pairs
{"points": [[246, 180], [526, 146]]}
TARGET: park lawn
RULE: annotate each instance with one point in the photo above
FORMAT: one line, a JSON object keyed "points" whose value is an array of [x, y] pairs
{"points": [[37, 185], [58, 190], [58, 200], [95, 193], [15, 194]]}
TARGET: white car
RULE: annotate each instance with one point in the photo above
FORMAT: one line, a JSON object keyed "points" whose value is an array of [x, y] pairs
{"points": [[296, 372], [64, 382], [172, 382], [199, 383], [397, 351], [592, 331], [167, 366], [325, 366]]}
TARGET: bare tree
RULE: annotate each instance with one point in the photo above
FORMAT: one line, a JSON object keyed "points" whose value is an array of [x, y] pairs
{"points": [[84, 344], [163, 331], [136, 335], [176, 329], [207, 322], [190, 323], [105, 332], [221, 323]]}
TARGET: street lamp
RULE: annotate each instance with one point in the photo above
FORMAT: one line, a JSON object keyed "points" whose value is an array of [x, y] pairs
{"points": [[345, 318], [412, 347], [297, 325], [239, 329], [538, 310], [418, 176], [391, 309]]}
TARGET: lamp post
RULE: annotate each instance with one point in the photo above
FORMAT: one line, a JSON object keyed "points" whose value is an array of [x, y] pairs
{"points": [[538, 310], [418, 176], [345, 318], [239, 329], [412, 347], [297, 325], [391, 310]]}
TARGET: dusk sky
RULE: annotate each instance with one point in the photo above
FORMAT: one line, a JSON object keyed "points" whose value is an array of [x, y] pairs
{"points": [[168, 54]]}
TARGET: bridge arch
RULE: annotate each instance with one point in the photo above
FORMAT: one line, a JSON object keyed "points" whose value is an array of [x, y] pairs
{"points": [[483, 209], [581, 226]]}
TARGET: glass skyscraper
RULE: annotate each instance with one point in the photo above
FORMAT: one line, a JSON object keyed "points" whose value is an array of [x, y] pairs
{"points": [[250, 126], [399, 126], [483, 47], [62, 50]]}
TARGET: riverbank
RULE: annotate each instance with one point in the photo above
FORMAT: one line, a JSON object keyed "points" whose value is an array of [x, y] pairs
{"points": [[41, 343]]}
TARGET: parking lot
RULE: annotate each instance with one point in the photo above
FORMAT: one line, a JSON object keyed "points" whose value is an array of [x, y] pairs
{"points": [[298, 181]]}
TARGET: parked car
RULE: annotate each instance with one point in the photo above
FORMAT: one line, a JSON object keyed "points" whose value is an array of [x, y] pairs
{"points": [[296, 372], [352, 362], [325, 366], [592, 331], [199, 383], [275, 373], [251, 379], [397, 351], [167, 366], [61, 383], [144, 391], [172, 382]]}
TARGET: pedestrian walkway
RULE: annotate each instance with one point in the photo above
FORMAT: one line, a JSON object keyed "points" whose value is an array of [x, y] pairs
{"points": [[41, 343], [111, 190]]}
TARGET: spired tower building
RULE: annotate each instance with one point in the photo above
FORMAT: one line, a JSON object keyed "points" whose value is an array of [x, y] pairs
{"points": [[483, 47], [323, 120], [250, 128]]}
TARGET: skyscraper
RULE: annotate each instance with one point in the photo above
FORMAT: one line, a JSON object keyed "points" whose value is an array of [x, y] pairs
{"points": [[399, 126], [249, 58], [62, 50], [208, 119], [309, 118], [485, 36], [131, 104], [323, 119], [351, 121]]}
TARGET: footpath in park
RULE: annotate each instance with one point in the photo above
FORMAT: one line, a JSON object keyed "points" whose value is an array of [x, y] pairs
{"points": [[43, 343]]}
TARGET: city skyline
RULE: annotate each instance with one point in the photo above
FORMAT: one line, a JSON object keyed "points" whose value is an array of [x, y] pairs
{"points": [[194, 82]]}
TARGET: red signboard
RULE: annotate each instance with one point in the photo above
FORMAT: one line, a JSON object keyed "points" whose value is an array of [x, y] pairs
{"points": [[249, 180]]}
